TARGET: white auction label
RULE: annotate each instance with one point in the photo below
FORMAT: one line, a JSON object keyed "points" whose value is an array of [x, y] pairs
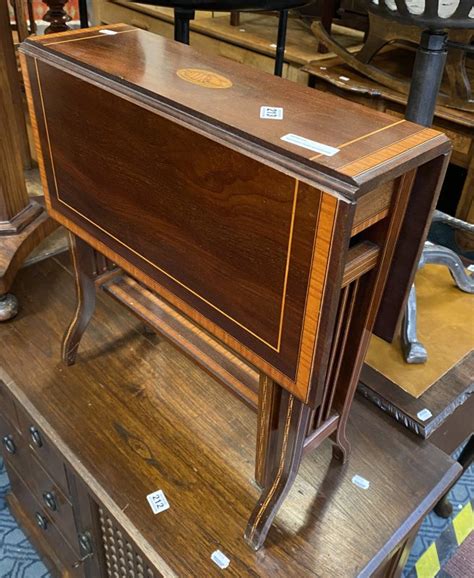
{"points": [[360, 482], [158, 501], [271, 112], [220, 559], [311, 145], [107, 31], [424, 414]]}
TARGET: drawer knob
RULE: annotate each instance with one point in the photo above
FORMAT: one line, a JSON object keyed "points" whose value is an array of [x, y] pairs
{"points": [[41, 521], [9, 444], [35, 436], [86, 548], [50, 501]]}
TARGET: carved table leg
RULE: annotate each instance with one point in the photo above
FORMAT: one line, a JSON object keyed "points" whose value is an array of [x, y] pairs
{"points": [[292, 426], [83, 259], [413, 350]]}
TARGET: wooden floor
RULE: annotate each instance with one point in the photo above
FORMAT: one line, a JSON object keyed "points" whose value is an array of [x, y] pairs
{"points": [[134, 416]]}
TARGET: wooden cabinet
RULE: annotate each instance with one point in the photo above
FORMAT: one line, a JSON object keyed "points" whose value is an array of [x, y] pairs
{"points": [[40, 494], [114, 424]]}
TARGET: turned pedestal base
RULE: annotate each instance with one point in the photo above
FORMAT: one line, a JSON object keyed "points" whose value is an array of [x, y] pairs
{"points": [[14, 249]]}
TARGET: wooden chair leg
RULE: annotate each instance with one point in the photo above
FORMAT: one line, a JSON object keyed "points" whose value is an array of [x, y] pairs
{"points": [[83, 260], [292, 426]]}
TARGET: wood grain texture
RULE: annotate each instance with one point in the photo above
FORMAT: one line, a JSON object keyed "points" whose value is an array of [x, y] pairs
{"points": [[451, 391], [277, 238], [359, 132], [413, 233], [13, 194], [136, 416], [183, 253]]}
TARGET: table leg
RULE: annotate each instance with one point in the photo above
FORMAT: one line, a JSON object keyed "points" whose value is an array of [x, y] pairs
{"points": [[293, 418], [83, 260], [444, 507], [269, 397]]}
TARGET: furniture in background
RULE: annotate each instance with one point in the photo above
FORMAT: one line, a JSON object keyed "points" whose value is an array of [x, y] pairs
{"points": [[297, 293], [136, 416], [24, 24], [387, 29], [340, 79], [448, 403], [23, 220], [251, 43], [184, 11], [424, 89], [426, 80]]}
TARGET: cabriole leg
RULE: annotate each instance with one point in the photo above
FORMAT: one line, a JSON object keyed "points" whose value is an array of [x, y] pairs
{"points": [[292, 426], [83, 260]]}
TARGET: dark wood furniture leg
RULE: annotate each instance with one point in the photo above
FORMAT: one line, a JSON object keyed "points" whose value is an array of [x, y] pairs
{"points": [[293, 419], [23, 221], [83, 260], [269, 397], [444, 507]]}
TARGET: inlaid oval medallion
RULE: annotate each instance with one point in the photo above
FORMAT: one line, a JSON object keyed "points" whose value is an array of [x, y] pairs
{"points": [[204, 78]]}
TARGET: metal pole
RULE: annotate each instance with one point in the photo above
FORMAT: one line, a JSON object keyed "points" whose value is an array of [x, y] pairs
{"points": [[426, 78], [83, 14], [280, 50], [181, 24]]}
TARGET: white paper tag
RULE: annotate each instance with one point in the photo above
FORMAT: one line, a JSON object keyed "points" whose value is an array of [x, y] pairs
{"points": [[158, 501], [424, 414], [311, 145], [220, 559], [271, 112], [360, 482], [107, 31], [344, 78]]}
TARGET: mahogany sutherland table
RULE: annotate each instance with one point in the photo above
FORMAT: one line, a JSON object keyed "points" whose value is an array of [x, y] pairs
{"points": [[273, 236], [136, 416]]}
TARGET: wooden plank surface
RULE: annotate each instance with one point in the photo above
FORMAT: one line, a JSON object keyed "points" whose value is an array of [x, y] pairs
{"points": [[451, 391], [134, 416], [444, 321]]}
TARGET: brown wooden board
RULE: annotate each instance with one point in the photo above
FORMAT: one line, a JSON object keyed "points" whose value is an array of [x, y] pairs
{"points": [[136, 416], [451, 391]]}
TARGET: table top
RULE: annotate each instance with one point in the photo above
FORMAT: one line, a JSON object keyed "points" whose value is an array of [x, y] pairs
{"points": [[350, 145], [424, 397], [134, 416]]}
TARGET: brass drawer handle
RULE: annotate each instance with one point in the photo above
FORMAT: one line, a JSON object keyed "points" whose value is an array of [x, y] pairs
{"points": [[9, 444], [41, 521], [36, 436], [50, 501]]}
